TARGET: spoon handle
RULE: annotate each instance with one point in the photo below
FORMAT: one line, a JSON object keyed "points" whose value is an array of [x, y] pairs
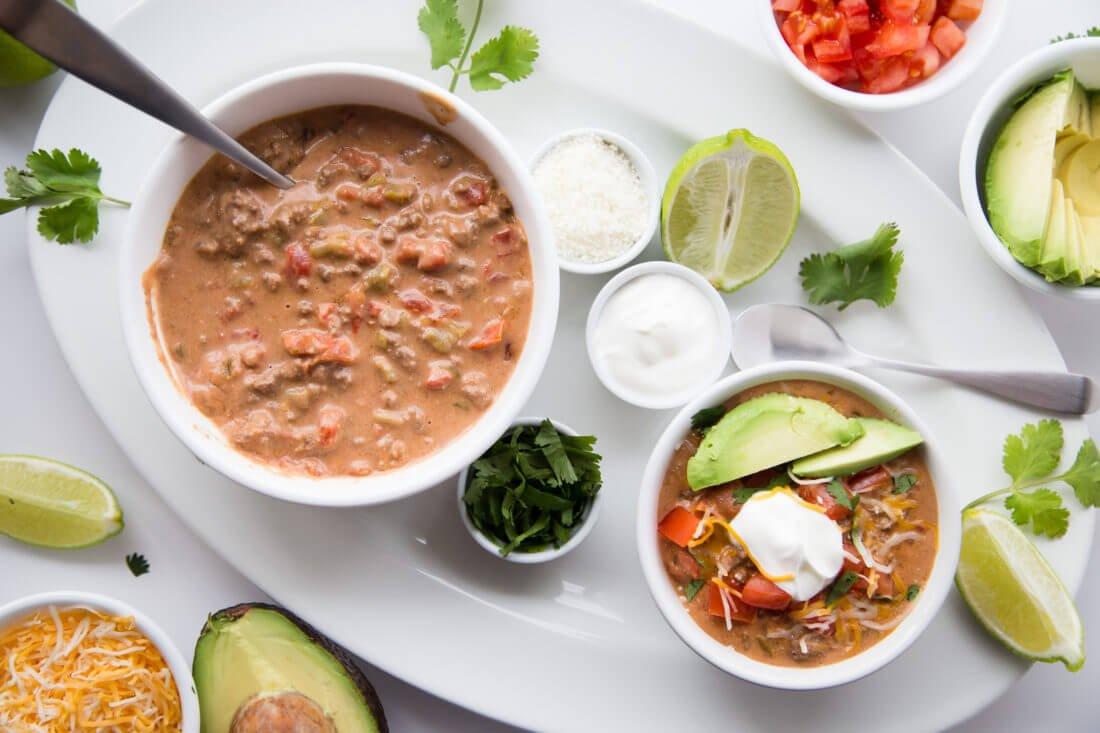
{"points": [[59, 34], [1073, 394]]}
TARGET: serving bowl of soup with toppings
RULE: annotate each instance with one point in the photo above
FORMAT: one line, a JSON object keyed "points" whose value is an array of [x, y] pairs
{"points": [[796, 525], [364, 334]]}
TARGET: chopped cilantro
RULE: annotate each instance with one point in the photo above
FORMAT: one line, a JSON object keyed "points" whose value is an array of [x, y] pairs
{"points": [[837, 491], [912, 592], [840, 587], [692, 589], [137, 563], [903, 482], [744, 494]]}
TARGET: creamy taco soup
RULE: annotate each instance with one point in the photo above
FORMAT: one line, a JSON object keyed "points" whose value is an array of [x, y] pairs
{"points": [[358, 321], [786, 565]]}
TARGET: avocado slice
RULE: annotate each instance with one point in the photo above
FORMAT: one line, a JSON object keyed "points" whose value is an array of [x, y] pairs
{"points": [[1060, 248], [1078, 173], [1090, 225], [1018, 177], [882, 441], [259, 668], [764, 432]]}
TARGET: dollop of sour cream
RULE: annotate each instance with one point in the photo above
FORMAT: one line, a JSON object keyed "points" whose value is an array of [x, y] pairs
{"points": [[656, 335], [790, 541]]}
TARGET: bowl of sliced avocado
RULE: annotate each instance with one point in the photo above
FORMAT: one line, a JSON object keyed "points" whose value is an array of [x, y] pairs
{"points": [[259, 668], [1028, 170]]}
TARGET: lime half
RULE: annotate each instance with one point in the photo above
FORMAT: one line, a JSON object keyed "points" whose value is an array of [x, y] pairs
{"points": [[730, 208], [19, 65], [1015, 594], [44, 502]]}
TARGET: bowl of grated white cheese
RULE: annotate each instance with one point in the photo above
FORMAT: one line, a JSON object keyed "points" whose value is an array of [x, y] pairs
{"points": [[600, 192]]}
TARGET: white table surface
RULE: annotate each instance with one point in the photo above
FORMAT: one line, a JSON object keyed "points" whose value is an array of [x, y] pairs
{"points": [[45, 412]]}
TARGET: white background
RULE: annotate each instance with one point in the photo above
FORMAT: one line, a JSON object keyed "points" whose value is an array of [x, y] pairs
{"points": [[45, 413]]}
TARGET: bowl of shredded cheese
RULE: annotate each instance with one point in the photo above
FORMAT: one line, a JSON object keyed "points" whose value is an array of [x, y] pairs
{"points": [[73, 662], [601, 195]]}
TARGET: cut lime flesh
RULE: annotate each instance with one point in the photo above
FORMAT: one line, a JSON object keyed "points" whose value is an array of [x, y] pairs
{"points": [[51, 504], [1015, 593], [730, 208]]}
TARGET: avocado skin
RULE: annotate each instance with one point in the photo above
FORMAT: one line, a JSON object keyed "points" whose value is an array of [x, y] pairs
{"points": [[764, 432], [882, 441], [366, 690]]}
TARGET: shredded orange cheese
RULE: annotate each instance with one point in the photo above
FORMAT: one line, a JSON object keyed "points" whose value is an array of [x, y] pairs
{"points": [[75, 669]]}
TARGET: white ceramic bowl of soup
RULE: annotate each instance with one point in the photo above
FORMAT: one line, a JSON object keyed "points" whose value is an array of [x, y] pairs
{"points": [[986, 122], [297, 90], [981, 38], [729, 659], [19, 609]]}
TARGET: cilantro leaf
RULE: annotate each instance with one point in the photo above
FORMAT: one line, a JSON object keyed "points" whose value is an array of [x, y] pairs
{"points": [[707, 417], [692, 589], [744, 494], [840, 587], [1041, 509], [838, 492], [511, 55], [76, 220], [1084, 474], [1034, 453], [66, 186], [866, 270], [137, 563], [1090, 33], [912, 592], [903, 482], [438, 20]]}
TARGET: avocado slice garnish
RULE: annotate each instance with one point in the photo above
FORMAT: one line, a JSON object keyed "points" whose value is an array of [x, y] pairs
{"points": [[259, 669], [882, 441], [765, 432]]}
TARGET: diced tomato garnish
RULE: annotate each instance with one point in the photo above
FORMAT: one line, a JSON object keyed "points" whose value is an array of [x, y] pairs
{"points": [[857, 13], [894, 39], [740, 611], [305, 341], [491, 335], [964, 9], [948, 37], [434, 256], [408, 251], [678, 526], [415, 300], [828, 51], [367, 250], [786, 6], [818, 494], [925, 61], [926, 11], [329, 422], [507, 241], [438, 378], [348, 192], [870, 480], [340, 350], [884, 586], [298, 261], [900, 11], [375, 308], [762, 593], [326, 314]]}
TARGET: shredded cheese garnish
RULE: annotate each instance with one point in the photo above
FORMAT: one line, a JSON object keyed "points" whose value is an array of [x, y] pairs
{"points": [[708, 529], [76, 669]]}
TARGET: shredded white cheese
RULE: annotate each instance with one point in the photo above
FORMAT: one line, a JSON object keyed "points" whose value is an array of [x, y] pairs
{"points": [[594, 197]]}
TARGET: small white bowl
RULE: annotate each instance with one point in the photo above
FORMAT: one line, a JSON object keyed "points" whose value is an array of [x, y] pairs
{"points": [[648, 176], [530, 558], [730, 660], [283, 93], [181, 671], [724, 336], [989, 117], [981, 36]]}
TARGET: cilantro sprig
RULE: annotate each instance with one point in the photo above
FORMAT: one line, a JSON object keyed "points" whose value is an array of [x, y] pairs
{"points": [[866, 270], [533, 488], [1090, 33], [1030, 458], [67, 189], [508, 57]]}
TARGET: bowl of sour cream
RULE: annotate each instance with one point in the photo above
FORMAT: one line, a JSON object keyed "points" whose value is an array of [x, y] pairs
{"points": [[658, 334]]}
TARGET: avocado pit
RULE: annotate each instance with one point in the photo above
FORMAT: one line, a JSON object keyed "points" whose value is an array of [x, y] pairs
{"points": [[285, 712]]}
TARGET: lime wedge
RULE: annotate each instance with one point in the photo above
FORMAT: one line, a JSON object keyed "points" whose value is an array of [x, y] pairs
{"points": [[1015, 594], [19, 65], [730, 208], [44, 502]]}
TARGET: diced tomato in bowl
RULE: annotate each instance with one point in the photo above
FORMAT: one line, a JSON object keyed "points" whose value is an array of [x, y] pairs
{"points": [[875, 46]]}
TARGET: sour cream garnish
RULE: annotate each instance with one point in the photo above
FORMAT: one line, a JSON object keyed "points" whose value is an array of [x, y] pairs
{"points": [[791, 542], [657, 335]]}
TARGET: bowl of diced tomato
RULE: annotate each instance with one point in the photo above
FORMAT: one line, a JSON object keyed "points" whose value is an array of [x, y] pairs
{"points": [[881, 54]]}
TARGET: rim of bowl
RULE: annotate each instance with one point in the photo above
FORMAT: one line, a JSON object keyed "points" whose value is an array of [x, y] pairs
{"points": [[724, 335], [181, 670], [209, 444], [648, 175], [531, 558], [947, 77], [1032, 68], [932, 596]]}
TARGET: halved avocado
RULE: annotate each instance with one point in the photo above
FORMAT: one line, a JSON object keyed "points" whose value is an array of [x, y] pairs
{"points": [[764, 432], [261, 669], [882, 441]]}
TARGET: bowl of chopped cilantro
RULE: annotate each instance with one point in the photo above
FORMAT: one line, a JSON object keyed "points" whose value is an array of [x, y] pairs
{"points": [[535, 494]]}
